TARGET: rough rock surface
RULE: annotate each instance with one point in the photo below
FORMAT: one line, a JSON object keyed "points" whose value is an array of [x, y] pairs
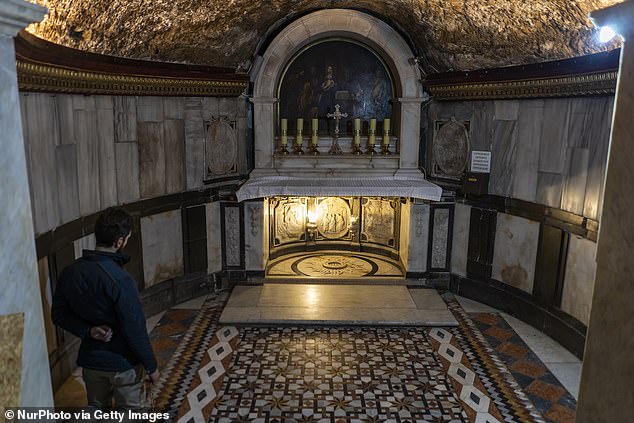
{"points": [[446, 34]]}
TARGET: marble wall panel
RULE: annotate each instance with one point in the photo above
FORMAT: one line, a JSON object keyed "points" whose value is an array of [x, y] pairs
{"points": [[552, 151], [515, 251], [232, 236], [106, 141], [228, 106], [194, 143], [600, 122], [574, 190], [210, 107], [125, 117], [581, 267], [253, 235], [503, 157], [42, 136], [66, 119], [149, 109], [127, 159], [87, 161], [87, 242], [549, 188], [47, 300], [174, 155], [162, 242], [482, 125], [440, 235], [84, 102], [527, 159], [460, 241], [151, 159], [67, 183], [214, 238], [174, 107], [580, 111], [506, 109], [418, 238]]}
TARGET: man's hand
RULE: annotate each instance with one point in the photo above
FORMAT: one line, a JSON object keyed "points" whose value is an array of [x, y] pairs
{"points": [[101, 333], [155, 376]]}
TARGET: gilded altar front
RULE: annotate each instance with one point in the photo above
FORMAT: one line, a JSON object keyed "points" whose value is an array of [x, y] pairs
{"points": [[370, 224]]}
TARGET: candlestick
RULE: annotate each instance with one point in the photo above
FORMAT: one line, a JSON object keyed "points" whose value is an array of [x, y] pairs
{"points": [[299, 139], [283, 137], [315, 137], [385, 146], [356, 141], [371, 137]]}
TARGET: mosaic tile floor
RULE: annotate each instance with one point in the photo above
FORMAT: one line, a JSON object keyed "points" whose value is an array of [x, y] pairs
{"points": [[334, 265]]}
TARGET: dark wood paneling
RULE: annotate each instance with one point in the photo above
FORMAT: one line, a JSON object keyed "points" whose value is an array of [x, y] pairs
{"points": [[195, 239], [551, 264], [481, 242]]}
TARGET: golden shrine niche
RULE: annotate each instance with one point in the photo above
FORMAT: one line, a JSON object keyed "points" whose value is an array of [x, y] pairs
{"points": [[357, 224]]}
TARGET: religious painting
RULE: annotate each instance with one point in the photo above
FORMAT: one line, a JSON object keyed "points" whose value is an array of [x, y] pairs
{"points": [[335, 72]]}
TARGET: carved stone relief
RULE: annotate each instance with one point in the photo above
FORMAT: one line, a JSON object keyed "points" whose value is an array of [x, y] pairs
{"points": [[221, 147], [450, 148], [333, 217], [289, 220], [379, 220], [232, 236]]}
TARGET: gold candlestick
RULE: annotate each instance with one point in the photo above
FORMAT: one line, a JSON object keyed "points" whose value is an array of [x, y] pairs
{"points": [[284, 137], [385, 146], [299, 139], [315, 137], [356, 141], [371, 138]]}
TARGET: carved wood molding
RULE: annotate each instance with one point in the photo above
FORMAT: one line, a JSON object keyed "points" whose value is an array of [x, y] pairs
{"points": [[47, 78], [601, 83]]}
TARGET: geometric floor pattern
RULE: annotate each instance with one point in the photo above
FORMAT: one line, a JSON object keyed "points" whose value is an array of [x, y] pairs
{"points": [[468, 373]]}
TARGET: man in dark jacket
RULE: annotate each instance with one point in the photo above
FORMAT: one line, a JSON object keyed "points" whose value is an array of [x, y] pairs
{"points": [[97, 301]]}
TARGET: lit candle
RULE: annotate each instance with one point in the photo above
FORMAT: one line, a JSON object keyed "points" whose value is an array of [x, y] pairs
{"points": [[315, 126]]}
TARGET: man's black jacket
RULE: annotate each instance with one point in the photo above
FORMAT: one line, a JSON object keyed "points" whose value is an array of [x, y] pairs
{"points": [[87, 296]]}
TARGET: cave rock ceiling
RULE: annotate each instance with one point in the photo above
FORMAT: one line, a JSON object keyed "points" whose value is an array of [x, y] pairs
{"points": [[445, 34]]}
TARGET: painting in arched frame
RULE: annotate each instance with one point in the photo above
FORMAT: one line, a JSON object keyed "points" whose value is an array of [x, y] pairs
{"points": [[335, 72]]}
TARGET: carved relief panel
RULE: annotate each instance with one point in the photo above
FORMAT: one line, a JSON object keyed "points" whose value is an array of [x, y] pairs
{"points": [[221, 147], [288, 223], [379, 220], [450, 149], [334, 218]]}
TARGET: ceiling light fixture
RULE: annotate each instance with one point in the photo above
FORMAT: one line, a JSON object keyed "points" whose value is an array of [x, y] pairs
{"points": [[606, 34]]}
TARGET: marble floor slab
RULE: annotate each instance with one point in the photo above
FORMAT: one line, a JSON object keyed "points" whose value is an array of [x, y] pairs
{"points": [[391, 305]]}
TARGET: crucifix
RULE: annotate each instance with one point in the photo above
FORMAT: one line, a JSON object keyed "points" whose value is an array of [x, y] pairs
{"points": [[337, 115]]}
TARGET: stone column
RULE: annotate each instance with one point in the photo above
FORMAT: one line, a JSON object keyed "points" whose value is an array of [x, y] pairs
{"points": [[264, 136], [409, 137], [606, 393], [19, 286]]}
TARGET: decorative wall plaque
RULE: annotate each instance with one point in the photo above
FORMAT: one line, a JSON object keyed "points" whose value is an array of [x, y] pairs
{"points": [[333, 217], [221, 146], [450, 148], [289, 219], [232, 236]]}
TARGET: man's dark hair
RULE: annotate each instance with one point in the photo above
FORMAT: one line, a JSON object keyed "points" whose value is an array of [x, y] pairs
{"points": [[112, 224]]}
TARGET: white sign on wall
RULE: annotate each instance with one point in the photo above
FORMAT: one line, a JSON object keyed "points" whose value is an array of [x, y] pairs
{"points": [[481, 161]]}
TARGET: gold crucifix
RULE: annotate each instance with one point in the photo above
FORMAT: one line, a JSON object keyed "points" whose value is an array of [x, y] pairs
{"points": [[337, 115]]}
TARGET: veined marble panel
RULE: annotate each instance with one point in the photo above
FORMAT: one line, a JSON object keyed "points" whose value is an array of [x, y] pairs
{"points": [[418, 237], [127, 161], [174, 155], [66, 119], [41, 132], [87, 161], [253, 235], [162, 242], [151, 159], [527, 161], [174, 107], [552, 151], [214, 238], [194, 143], [574, 191], [150, 109], [460, 241], [581, 267], [125, 118], [440, 234], [549, 188], [67, 183], [107, 171], [482, 125], [503, 157], [507, 109], [515, 251]]}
